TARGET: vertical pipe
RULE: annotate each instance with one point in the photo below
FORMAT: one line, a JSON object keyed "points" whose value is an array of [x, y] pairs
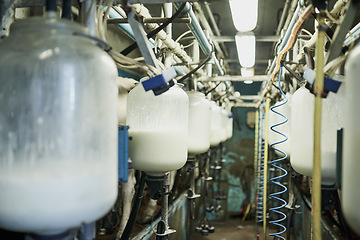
{"points": [[88, 15], [256, 141], [318, 90], [168, 30], [266, 148], [165, 200]]}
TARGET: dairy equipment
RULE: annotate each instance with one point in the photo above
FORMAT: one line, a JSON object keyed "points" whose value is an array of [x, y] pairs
{"points": [[158, 127], [351, 164], [302, 117], [215, 129], [199, 123], [229, 125], [58, 128], [224, 123]]}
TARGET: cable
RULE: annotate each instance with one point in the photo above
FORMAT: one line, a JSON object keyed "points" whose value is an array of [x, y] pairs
{"points": [[135, 208], [133, 46], [207, 59], [183, 35], [276, 179], [206, 93]]}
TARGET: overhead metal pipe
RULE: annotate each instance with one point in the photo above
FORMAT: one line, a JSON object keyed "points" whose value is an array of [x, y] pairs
{"points": [[215, 26], [205, 24], [283, 15], [200, 36]]}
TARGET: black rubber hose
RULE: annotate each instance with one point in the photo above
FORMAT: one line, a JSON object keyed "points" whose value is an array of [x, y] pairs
{"points": [[133, 46], [207, 59], [50, 5], [135, 209], [66, 9]]}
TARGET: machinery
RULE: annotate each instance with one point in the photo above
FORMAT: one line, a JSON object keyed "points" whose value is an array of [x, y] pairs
{"points": [[159, 119]]}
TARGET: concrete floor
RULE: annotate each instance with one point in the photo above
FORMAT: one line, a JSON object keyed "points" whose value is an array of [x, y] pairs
{"points": [[232, 229]]}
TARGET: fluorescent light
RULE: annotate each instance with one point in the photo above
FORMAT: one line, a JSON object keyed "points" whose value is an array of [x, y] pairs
{"points": [[245, 45], [244, 14], [247, 72]]}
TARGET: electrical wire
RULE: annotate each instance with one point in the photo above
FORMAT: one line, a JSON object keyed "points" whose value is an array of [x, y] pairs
{"points": [[207, 59], [135, 208], [275, 164], [151, 34], [183, 35], [206, 93], [291, 40]]}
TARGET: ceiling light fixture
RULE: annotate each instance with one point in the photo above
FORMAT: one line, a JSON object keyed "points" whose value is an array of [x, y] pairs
{"points": [[247, 72], [245, 45], [244, 14]]}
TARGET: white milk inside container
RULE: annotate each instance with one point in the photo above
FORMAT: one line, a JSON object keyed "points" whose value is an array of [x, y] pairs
{"points": [[158, 127], [351, 163], [215, 130], [56, 197], [58, 128], [302, 133], [199, 123], [275, 119]]}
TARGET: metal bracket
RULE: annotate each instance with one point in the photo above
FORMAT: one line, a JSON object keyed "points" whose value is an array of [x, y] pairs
{"points": [[141, 40]]}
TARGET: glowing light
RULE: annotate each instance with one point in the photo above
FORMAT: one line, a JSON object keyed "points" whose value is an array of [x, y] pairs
{"points": [[244, 14], [245, 45]]}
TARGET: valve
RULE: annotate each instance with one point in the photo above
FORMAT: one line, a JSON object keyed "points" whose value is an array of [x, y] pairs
{"points": [[160, 83]]}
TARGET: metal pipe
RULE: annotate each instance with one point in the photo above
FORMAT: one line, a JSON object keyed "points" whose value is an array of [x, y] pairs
{"points": [[289, 28], [167, 41], [149, 20], [88, 15], [283, 15], [266, 157], [318, 91], [117, 12], [199, 34], [215, 26], [289, 24], [290, 16], [234, 78], [200, 14], [168, 13]]}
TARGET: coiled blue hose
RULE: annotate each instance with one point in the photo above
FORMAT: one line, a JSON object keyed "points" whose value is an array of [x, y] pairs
{"points": [[276, 180]]}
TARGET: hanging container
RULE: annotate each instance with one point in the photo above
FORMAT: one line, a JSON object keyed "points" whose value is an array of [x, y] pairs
{"points": [[302, 133], [275, 119], [158, 127], [199, 123], [229, 125], [215, 129], [351, 164], [58, 128], [224, 123]]}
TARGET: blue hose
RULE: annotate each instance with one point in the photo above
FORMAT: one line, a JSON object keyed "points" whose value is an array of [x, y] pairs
{"points": [[276, 180]]}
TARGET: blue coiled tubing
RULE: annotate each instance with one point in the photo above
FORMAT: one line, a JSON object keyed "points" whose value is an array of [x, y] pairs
{"points": [[277, 179]]}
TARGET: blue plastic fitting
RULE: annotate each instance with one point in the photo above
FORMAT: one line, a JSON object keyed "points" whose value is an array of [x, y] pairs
{"points": [[123, 153], [160, 83]]}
